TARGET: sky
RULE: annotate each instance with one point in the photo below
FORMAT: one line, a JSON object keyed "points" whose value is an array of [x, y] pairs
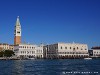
{"points": [[51, 21]]}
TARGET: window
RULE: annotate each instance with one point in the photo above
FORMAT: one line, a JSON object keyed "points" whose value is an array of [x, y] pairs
{"points": [[41, 55], [73, 48], [20, 46], [18, 32], [61, 47], [65, 47], [32, 52], [55, 47], [77, 47], [70, 47]]}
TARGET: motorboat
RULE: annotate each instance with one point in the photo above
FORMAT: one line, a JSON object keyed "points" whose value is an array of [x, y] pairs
{"points": [[87, 58]]}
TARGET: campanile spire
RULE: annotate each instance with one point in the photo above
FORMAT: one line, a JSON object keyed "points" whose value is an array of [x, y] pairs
{"points": [[17, 22], [17, 32]]}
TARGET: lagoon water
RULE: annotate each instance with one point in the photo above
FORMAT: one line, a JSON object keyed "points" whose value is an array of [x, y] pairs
{"points": [[50, 67]]}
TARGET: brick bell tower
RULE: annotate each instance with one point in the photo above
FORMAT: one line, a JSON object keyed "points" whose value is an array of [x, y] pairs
{"points": [[17, 32]]}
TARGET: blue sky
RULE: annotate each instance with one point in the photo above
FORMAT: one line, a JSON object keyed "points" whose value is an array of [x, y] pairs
{"points": [[51, 21]]}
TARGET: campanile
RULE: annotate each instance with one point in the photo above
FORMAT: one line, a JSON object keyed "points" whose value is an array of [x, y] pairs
{"points": [[17, 32]]}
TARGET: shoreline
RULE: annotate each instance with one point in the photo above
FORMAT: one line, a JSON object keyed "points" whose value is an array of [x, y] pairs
{"points": [[4, 58]]}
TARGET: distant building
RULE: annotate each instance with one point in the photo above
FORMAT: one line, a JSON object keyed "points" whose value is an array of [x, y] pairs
{"points": [[11, 47], [4, 46], [96, 51], [28, 51], [66, 50], [17, 32]]}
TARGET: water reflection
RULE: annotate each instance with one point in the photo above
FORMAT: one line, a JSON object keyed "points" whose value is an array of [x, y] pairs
{"points": [[48, 67], [18, 67]]}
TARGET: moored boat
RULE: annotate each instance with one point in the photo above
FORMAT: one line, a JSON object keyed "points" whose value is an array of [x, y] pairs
{"points": [[30, 58], [87, 58]]}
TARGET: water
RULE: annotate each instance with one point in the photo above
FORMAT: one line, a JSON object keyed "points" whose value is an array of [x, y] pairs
{"points": [[50, 67]]}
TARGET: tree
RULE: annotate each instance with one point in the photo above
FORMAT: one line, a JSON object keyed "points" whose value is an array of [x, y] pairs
{"points": [[8, 53], [1, 54]]}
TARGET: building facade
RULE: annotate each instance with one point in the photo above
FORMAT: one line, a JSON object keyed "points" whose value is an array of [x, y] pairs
{"points": [[11, 47], [96, 51], [66, 50], [28, 51], [4, 46], [17, 32]]}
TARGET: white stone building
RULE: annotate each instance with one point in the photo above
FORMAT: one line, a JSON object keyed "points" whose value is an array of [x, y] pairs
{"points": [[66, 50], [96, 51], [28, 51]]}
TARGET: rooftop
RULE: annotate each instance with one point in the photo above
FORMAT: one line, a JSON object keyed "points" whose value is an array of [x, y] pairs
{"points": [[97, 47]]}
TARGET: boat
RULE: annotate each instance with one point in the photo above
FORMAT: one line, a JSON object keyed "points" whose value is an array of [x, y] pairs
{"points": [[30, 58], [87, 58]]}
